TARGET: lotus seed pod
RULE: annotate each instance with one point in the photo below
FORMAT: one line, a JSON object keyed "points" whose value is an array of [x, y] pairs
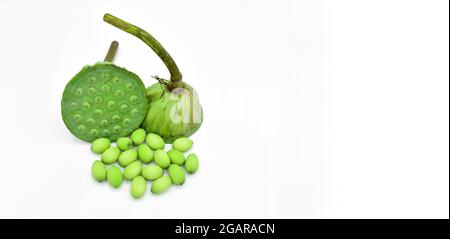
{"points": [[176, 157], [174, 109], [98, 171], [100, 145], [182, 144], [114, 176], [138, 187], [138, 136], [110, 155], [152, 172], [161, 158], [176, 174], [132, 170], [154, 141], [104, 100], [127, 157], [161, 185], [124, 143], [145, 154], [191, 163]]}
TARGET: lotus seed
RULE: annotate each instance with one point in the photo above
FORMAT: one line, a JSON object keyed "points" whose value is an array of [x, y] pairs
{"points": [[98, 171], [192, 163], [138, 187], [154, 141], [132, 170], [161, 185], [124, 143], [145, 154], [138, 136], [110, 155], [176, 174], [152, 172], [114, 176], [161, 158], [100, 145], [182, 144], [127, 157], [176, 157]]}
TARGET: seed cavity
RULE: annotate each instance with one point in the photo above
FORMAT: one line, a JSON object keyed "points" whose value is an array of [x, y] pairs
{"points": [[133, 99], [105, 88], [106, 132], [98, 112], [77, 117], [81, 128], [92, 79], [126, 121], [79, 91], [119, 93], [117, 129], [116, 118], [104, 122], [91, 90], [111, 104], [86, 106], [124, 107], [93, 132], [135, 112], [74, 105], [116, 80], [129, 86], [90, 121], [98, 99]]}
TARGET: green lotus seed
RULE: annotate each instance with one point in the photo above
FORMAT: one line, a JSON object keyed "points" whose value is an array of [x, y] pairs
{"points": [[176, 174], [98, 171], [138, 187], [132, 170], [114, 176], [145, 154], [127, 157], [152, 172], [161, 185], [176, 157], [191, 163], [154, 141], [138, 136], [100, 145], [182, 144], [110, 155], [161, 158], [124, 143]]}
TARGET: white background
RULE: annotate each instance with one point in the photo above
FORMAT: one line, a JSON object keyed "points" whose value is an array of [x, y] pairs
{"points": [[313, 109]]}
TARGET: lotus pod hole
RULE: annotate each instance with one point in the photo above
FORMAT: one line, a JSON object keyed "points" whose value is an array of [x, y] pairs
{"points": [[104, 100]]}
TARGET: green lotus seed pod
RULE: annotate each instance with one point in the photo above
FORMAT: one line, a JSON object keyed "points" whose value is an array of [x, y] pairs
{"points": [[145, 154], [191, 163], [138, 136], [176, 157], [138, 187], [132, 170], [174, 108], [127, 157], [110, 155], [98, 171], [176, 174], [161, 158], [152, 172], [114, 176], [104, 100], [154, 141], [124, 143], [182, 144], [100, 145], [161, 185]]}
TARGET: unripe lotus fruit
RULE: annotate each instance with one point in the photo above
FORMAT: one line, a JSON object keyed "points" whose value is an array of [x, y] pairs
{"points": [[174, 108]]}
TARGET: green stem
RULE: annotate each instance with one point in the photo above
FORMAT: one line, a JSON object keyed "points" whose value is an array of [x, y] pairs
{"points": [[112, 51], [175, 75]]}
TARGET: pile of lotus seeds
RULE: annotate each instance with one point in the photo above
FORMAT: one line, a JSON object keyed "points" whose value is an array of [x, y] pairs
{"points": [[143, 158]]}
